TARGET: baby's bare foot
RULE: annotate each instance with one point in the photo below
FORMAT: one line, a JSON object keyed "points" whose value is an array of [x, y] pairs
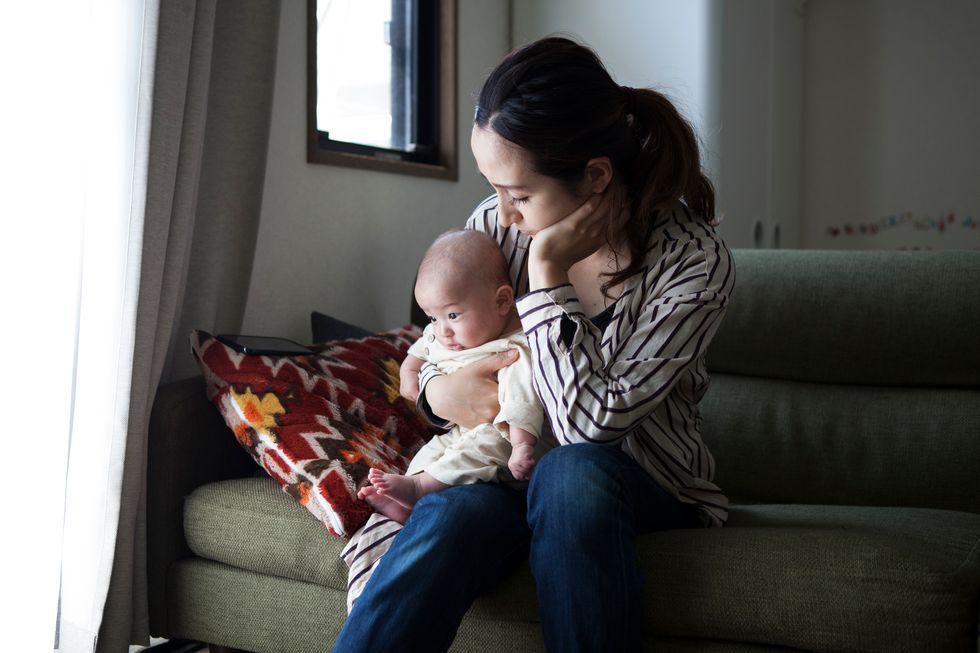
{"points": [[401, 489], [365, 492], [381, 504]]}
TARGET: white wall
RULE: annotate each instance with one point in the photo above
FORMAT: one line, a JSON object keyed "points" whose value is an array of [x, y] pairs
{"points": [[346, 241], [733, 69], [662, 44], [892, 124], [844, 112], [758, 178]]}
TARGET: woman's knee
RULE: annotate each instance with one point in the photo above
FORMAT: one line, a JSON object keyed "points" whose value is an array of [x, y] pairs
{"points": [[574, 466], [467, 511], [575, 481]]}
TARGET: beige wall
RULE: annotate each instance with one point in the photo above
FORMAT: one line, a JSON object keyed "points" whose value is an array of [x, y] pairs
{"points": [[732, 67], [812, 114], [662, 44], [891, 131], [345, 241]]}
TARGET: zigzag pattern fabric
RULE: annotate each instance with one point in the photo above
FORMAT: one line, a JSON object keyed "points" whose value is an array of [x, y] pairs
{"points": [[317, 423]]}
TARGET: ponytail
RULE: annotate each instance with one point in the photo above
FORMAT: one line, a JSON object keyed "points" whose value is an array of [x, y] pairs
{"points": [[665, 170]]}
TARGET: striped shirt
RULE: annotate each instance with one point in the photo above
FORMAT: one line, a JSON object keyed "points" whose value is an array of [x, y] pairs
{"points": [[635, 384]]}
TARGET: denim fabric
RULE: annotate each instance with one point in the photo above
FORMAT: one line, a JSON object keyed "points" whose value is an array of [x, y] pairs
{"points": [[584, 505]]}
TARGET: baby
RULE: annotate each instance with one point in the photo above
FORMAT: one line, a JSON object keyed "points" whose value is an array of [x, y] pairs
{"points": [[464, 287]]}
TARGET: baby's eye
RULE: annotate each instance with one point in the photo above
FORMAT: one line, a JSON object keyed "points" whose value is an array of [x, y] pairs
{"points": [[453, 316]]}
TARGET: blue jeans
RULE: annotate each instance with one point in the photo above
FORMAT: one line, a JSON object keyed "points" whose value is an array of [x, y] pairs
{"points": [[582, 511]]}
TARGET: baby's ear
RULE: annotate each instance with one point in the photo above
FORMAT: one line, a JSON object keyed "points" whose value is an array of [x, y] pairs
{"points": [[505, 298]]}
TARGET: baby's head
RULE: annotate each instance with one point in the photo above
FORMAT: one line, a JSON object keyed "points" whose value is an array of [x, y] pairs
{"points": [[464, 288]]}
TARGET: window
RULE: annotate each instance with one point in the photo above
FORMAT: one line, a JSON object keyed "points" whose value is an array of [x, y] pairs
{"points": [[381, 85]]}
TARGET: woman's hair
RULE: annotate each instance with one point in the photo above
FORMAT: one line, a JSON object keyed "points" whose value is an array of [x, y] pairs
{"points": [[555, 99]]}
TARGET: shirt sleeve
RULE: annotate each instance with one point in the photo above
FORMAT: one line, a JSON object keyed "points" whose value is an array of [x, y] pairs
{"points": [[417, 348], [427, 372], [596, 396]]}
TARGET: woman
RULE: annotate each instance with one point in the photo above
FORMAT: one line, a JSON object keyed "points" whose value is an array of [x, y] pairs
{"points": [[603, 211]]}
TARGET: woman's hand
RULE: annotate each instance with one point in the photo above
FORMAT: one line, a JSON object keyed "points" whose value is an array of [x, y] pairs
{"points": [[555, 249], [468, 397]]}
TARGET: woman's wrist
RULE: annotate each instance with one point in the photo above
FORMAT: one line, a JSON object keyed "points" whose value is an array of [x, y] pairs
{"points": [[545, 274]]}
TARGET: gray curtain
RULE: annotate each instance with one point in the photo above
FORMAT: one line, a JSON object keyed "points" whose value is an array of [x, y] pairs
{"points": [[212, 100]]}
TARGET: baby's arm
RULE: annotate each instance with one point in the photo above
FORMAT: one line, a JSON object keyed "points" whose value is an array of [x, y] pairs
{"points": [[408, 377], [522, 453]]}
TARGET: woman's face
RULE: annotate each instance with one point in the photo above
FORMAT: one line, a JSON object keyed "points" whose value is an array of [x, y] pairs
{"points": [[528, 200]]}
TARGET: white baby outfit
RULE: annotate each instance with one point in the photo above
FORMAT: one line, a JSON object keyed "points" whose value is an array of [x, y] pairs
{"points": [[462, 455]]}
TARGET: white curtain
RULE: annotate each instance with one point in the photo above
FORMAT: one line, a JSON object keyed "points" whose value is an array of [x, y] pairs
{"points": [[101, 241], [75, 121], [41, 192], [119, 57]]}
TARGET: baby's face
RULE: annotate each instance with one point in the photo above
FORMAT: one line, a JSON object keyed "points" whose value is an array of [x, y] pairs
{"points": [[463, 314]]}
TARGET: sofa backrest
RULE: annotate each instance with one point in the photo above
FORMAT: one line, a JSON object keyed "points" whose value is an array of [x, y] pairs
{"points": [[849, 378]]}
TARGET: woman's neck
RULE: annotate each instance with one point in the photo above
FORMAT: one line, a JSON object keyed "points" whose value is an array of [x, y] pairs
{"points": [[589, 275]]}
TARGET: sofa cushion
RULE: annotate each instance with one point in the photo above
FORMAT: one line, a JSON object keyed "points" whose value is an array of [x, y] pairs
{"points": [[822, 578], [248, 523], [856, 317], [317, 423], [817, 577], [793, 442], [326, 327], [286, 616]]}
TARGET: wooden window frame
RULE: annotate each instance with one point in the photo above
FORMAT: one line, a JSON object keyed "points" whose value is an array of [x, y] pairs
{"points": [[445, 166]]}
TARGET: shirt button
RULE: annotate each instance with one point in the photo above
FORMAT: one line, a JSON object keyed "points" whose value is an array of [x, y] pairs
{"points": [[426, 351], [432, 337]]}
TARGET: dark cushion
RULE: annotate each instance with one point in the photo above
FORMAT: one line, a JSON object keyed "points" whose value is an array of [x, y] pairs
{"points": [[326, 328]]}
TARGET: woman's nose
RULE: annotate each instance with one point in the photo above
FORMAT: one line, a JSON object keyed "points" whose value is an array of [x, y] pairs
{"points": [[508, 214]]}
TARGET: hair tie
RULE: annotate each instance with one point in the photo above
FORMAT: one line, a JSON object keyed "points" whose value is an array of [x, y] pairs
{"points": [[630, 95]]}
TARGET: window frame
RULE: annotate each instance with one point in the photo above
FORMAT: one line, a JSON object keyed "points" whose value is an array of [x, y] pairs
{"points": [[376, 158]]}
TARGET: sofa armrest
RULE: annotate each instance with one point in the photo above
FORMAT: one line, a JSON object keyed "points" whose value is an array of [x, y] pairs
{"points": [[189, 445]]}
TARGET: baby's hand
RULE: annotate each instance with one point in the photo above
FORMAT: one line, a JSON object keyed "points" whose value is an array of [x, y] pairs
{"points": [[408, 386], [521, 461], [408, 377]]}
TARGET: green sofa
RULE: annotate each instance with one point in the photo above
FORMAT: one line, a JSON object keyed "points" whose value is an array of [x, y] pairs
{"points": [[844, 415]]}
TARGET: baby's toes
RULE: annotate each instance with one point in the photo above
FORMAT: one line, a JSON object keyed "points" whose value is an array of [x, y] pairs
{"points": [[365, 492]]}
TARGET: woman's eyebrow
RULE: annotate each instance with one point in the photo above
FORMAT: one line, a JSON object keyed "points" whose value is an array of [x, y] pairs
{"points": [[506, 186]]}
